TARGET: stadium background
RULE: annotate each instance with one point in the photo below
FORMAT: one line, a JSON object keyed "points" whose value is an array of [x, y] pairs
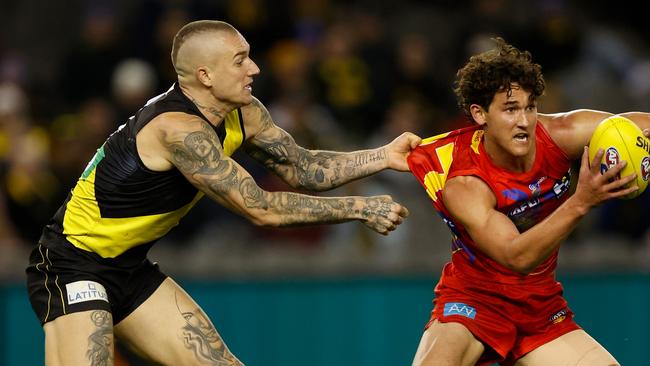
{"points": [[338, 75]]}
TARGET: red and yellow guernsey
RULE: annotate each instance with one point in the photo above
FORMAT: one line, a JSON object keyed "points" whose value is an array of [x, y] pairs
{"points": [[526, 198], [119, 207]]}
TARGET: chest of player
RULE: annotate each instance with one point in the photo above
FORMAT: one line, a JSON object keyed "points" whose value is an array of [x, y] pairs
{"points": [[526, 202]]}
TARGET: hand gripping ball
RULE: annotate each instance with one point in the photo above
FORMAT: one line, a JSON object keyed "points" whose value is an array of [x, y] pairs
{"points": [[621, 139]]}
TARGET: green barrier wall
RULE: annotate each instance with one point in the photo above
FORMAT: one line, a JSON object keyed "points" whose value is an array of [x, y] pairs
{"points": [[351, 322]]}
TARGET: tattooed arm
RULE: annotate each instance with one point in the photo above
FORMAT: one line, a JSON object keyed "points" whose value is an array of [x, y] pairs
{"points": [[317, 170], [193, 147]]}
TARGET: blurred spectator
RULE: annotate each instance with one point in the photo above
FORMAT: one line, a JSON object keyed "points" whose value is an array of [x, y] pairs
{"points": [[88, 66], [628, 219], [158, 48], [344, 79], [310, 19], [133, 82], [293, 106], [27, 182], [76, 137], [10, 100], [13, 68]]}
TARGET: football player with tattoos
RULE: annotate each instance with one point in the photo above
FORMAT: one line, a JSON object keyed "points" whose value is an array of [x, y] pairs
{"points": [[89, 277]]}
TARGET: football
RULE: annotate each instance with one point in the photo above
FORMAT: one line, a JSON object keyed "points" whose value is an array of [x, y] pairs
{"points": [[621, 139]]}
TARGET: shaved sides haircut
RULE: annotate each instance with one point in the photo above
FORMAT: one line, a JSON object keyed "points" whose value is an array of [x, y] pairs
{"points": [[191, 29]]}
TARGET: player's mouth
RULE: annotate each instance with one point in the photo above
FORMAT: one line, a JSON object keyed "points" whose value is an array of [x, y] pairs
{"points": [[521, 137], [249, 87]]}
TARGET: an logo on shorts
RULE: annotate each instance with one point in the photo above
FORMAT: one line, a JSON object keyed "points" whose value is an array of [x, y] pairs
{"points": [[559, 316], [458, 308], [82, 291]]}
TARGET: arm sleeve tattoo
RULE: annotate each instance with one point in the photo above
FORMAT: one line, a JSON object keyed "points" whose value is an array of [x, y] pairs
{"points": [[200, 158], [313, 170]]}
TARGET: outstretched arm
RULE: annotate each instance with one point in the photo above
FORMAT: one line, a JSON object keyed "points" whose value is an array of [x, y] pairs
{"points": [[318, 170], [194, 149]]}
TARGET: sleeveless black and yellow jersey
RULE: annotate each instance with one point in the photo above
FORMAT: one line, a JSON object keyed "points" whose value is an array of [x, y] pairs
{"points": [[119, 207]]}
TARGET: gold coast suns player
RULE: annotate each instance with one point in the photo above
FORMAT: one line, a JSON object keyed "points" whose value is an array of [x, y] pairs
{"points": [[502, 188]]}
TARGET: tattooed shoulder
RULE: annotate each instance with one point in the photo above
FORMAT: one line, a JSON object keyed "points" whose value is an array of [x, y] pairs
{"points": [[264, 115], [198, 151]]}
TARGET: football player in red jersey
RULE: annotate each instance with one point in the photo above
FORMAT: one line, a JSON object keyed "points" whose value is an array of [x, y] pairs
{"points": [[502, 188]]}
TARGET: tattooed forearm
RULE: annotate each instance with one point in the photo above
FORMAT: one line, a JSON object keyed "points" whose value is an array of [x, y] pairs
{"points": [[299, 209], [253, 195], [100, 342], [325, 170], [225, 178], [313, 170], [201, 337], [293, 208], [302, 168], [362, 159], [317, 169]]}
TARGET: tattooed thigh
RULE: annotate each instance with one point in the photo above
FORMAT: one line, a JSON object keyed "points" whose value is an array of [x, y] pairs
{"points": [[100, 342], [201, 337]]}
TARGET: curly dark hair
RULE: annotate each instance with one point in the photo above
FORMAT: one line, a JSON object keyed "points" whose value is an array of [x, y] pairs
{"points": [[494, 71]]}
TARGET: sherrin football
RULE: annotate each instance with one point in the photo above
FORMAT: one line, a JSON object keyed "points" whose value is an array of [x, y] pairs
{"points": [[621, 139]]}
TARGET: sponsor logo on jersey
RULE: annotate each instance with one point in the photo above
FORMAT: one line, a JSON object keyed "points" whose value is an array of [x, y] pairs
{"points": [[645, 168], [559, 316], [82, 291], [536, 187], [525, 212], [523, 207], [562, 186], [458, 308], [514, 194]]}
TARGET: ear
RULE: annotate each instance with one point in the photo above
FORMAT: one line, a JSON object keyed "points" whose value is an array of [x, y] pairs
{"points": [[204, 76], [479, 115]]}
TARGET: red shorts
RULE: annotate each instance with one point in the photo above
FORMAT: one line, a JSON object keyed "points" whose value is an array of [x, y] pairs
{"points": [[510, 319]]}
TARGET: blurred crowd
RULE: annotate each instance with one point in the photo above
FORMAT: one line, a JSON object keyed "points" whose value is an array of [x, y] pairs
{"points": [[337, 75]]}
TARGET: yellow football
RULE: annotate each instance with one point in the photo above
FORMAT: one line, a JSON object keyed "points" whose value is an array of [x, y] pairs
{"points": [[621, 139]]}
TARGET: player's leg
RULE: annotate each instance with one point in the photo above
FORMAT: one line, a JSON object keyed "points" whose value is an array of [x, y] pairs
{"points": [[84, 338], [448, 344], [73, 307], [171, 329], [576, 348]]}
